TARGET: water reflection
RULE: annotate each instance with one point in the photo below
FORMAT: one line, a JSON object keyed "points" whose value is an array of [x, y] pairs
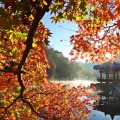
{"points": [[109, 104], [101, 116]]}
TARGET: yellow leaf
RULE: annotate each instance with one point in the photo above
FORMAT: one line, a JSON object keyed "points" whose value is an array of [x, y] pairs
{"points": [[44, 2]]}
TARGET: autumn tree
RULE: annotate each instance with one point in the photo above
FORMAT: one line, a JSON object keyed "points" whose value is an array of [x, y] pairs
{"points": [[26, 92], [61, 68], [98, 31]]}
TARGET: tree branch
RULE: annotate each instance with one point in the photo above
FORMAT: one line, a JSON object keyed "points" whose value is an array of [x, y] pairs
{"points": [[38, 93], [39, 15], [11, 71], [6, 108]]}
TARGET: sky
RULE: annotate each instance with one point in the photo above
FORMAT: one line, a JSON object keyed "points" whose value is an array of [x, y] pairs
{"points": [[61, 31]]}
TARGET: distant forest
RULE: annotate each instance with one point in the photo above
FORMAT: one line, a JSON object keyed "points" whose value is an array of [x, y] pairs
{"points": [[61, 68]]}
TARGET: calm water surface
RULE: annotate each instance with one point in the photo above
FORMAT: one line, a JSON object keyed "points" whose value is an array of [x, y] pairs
{"points": [[98, 114]]}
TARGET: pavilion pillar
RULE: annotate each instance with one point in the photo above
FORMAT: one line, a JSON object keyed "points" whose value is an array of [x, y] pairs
{"points": [[114, 75], [101, 75], [106, 75], [117, 75]]}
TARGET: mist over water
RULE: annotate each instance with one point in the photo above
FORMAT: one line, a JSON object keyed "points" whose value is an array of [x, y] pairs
{"points": [[75, 83]]}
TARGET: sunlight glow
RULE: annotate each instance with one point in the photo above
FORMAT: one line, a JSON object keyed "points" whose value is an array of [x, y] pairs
{"points": [[108, 55]]}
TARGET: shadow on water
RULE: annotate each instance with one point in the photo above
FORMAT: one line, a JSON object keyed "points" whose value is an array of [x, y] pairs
{"points": [[109, 103]]}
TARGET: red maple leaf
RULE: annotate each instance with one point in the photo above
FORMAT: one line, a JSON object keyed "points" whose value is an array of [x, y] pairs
{"points": [[118, 23]]}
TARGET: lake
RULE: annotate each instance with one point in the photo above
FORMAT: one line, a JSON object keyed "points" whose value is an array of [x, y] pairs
{"points": [[99, 115]]}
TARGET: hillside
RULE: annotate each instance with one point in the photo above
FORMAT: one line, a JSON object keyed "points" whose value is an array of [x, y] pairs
{"points": [[62, 68], [88, 72]]}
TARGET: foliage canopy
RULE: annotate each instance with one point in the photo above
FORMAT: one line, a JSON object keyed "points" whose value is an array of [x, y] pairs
{"points": [[26, 93]]}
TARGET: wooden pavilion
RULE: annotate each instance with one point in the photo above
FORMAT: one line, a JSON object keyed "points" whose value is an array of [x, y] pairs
{"points": [[109, 72]]}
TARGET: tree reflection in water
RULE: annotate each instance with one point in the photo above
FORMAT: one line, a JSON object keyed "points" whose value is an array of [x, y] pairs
{"points": [[109, 102]]}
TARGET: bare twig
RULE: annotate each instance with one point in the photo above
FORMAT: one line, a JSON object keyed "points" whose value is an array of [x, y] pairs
{"points": [[40, 93]]}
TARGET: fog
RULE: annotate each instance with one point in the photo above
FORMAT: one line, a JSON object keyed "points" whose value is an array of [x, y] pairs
{"points": [[75, 83]]}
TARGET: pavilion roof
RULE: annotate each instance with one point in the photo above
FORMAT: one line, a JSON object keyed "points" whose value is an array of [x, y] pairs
{"points": [[107, 65]]}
